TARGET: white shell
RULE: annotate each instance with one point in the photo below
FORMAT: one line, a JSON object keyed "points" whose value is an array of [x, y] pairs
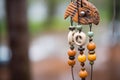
{"points": [[70, 37], [80, 38]]}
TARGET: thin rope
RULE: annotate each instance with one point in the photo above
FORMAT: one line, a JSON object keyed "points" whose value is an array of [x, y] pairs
{"points": [[90, 25], [83, 79], [91, 77], [71, 21], [78, 12], [72, 73]]}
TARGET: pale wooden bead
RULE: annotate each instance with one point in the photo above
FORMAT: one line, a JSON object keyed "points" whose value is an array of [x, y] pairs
{"points": [[70, 37], [80, 38]]}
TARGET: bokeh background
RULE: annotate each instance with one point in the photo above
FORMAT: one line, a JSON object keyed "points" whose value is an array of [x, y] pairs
{"points": [[33, 40]]}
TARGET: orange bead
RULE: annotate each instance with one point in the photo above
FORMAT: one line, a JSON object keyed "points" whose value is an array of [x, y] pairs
{"points": [[83, 74], [71, 52], [71, 62], [91, 46], [91, 57], [82, 58]]}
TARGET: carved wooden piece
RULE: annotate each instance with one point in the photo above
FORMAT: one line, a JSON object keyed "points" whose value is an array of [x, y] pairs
{"points": [[91, 12]]}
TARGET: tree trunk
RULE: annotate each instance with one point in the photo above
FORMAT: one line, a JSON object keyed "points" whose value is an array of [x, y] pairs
{"points": [[17, 27]]}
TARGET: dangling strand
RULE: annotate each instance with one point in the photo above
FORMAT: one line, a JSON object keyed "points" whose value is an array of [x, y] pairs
{"points": [[80, 39], [91, 53], [71, 52]]}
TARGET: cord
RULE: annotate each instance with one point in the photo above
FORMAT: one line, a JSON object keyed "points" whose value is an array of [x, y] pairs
{"points": [[91, 77], [72, 73]]}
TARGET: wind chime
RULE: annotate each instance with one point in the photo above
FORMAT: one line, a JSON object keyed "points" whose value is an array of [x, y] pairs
{"points": [[83, 13]]}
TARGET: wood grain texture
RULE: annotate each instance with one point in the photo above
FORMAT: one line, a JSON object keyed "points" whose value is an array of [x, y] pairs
{"points": [[91, 13]]}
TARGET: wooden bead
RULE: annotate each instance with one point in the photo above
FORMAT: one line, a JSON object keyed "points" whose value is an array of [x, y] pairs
{"points": [[91, 46], [79, 27], [72, 52], [71, 62], [91, 57], [80, 38], [82, 58], [70, 37], [90, 34], [83, 74]]}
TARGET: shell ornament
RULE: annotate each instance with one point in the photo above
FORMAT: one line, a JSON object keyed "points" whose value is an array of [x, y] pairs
{"points": [[84, 13]]}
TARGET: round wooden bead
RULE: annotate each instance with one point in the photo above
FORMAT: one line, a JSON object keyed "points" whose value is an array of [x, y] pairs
{"points": [[70, 37], [80, 38], [83, 74], [72, 52], [91, 57], [79, 27], [71, 62], [91, 46], [90, 34], [82, 58]]}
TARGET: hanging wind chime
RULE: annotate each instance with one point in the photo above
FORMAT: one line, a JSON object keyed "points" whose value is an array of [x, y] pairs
{"points": [[83, 13]]}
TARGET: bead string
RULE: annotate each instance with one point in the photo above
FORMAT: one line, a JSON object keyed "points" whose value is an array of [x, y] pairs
{"points": [[71, 21], [78, 12], [91, 75], [81, 49], [71, 54], [91, 51], [72, 73]]}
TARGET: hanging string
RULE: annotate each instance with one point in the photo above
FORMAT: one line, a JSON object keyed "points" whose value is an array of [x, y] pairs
{"points": [[78, 12], [72, 72], [83, 78], [71, 21], [91, 63], [91, 77], [90, 25]]}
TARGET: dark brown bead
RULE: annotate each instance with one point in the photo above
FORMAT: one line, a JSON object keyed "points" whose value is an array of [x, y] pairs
{"points": [[71, 57], [81, 52], [82, 64], [91, 52], [72, 47], [70, 28], [82, 68], [81, 49], [90, 39]]}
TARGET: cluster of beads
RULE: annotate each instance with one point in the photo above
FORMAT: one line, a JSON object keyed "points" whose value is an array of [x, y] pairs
{"points": [[71, 51], [81, 57], [71, 54], [91, 50], [91, 47], [79, 38]]}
